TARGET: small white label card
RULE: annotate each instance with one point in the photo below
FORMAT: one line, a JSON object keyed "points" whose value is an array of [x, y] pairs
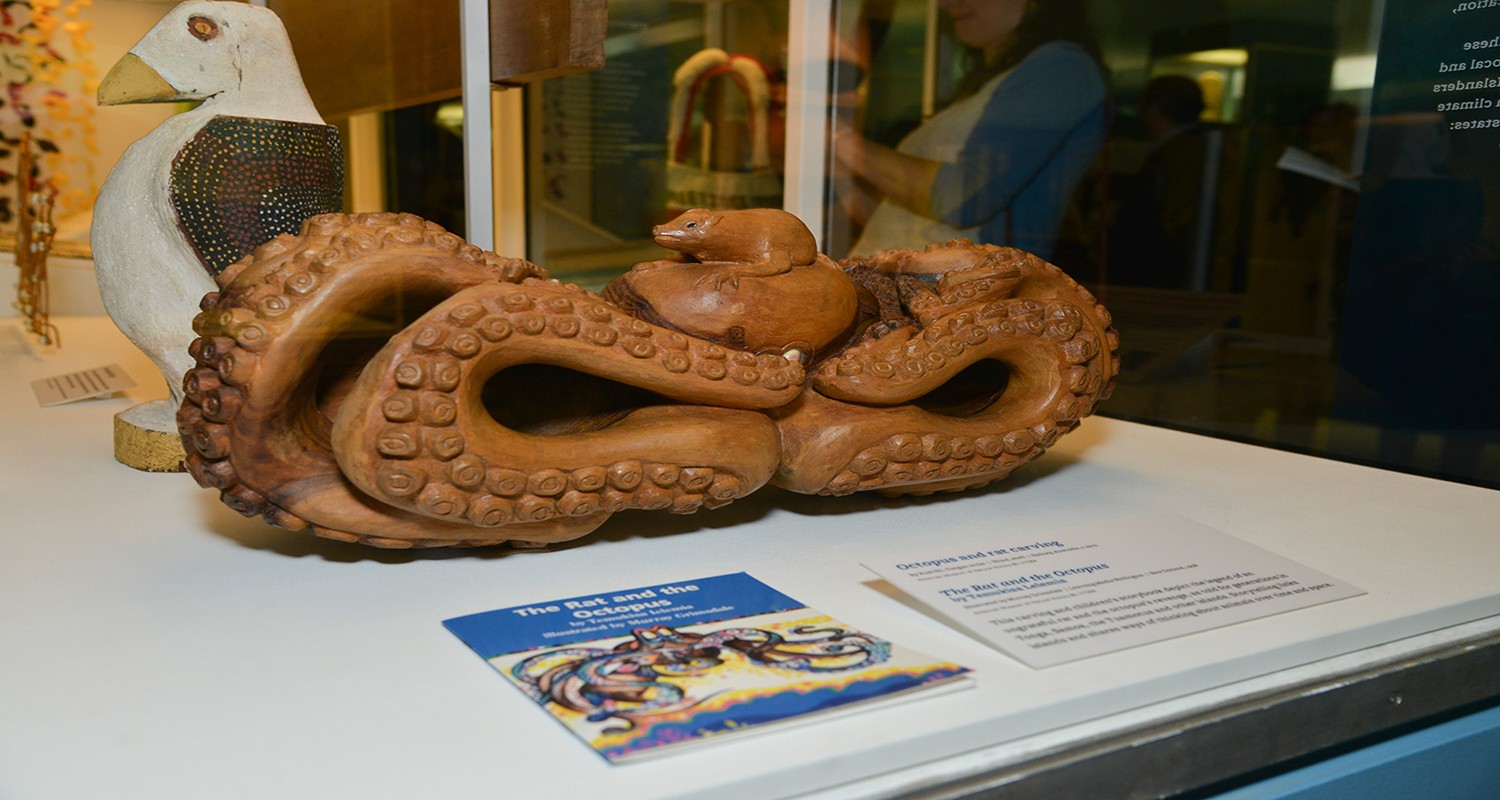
{"points": [[96, 382], [1093, 590]]}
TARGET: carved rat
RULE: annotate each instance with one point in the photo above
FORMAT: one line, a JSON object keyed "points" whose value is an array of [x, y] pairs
{"points": [[754, 242], [793, 301]]}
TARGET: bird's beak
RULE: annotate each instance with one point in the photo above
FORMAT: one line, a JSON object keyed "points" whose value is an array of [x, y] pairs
{"points": [[134, 81]]}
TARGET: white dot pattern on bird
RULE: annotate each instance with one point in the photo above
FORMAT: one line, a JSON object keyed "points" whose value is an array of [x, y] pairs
{"points": [[241, 181]]}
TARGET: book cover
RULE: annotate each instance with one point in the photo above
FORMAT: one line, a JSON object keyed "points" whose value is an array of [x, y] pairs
{"points": [[637, 671]]}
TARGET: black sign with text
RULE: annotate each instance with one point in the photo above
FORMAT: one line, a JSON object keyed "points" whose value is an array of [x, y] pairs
{"points": [[1420, 334]]}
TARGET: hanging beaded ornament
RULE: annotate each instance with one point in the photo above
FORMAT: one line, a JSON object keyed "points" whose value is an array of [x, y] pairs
{"points": [[33, 243]]}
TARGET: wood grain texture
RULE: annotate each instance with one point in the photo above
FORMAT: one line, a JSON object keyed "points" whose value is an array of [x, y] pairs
{"points": [[535, 39], [428, 426], [280, 345], [406, 52], [750, 279], [989, 357], [146, 449], [377, 380]]}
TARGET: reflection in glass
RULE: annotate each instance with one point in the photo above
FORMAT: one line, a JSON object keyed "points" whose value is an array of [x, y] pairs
{"points": [[998, 162], [600, 167], [425, 162], [1308, 262], [1297, 243]]}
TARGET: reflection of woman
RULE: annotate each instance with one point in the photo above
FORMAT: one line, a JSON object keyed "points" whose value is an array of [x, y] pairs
{"points": [[1000, 164]]}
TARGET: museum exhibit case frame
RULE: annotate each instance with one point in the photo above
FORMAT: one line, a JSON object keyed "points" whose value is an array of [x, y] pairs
{"points": [[184, 650]]}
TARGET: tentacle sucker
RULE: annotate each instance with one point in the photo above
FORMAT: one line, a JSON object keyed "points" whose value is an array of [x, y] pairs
{"points": [[375, 379], [277, 348], [1001, 357], [417, 433]]}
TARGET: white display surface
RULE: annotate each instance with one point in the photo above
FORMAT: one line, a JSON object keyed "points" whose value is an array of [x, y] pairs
{"points": [[154, 644]]}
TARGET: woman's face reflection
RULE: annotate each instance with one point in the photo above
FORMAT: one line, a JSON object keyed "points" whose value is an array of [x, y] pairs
{"points": [[985, 24]]}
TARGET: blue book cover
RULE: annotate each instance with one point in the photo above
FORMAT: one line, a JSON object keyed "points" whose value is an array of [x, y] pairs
{"points": [[636, 671]]}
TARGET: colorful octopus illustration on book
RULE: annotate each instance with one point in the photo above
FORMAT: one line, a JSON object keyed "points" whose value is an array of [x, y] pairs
{"points": [[633, 679]]}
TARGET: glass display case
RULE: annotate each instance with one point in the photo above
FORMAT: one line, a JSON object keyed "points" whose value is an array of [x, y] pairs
{"points": [[1228, 244], [1304, 262], [1292, 212]]}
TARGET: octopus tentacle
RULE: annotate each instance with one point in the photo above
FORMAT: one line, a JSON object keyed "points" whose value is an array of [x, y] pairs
{"points": [[317, 403], [1005, 355], [909, 364], [277, 347], [417, 433]]}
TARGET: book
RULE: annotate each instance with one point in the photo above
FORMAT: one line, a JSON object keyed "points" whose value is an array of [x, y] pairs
{"points": [[638, 671]]}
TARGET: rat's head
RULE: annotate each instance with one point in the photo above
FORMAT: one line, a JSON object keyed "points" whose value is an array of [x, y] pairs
{"points": [[691, 226]]}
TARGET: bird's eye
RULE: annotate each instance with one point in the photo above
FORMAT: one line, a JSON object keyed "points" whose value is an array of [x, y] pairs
{"points": [[203, 28]]}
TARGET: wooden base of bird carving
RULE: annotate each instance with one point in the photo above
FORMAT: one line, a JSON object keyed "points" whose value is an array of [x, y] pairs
{"points": [[375, 379], [146, 439]]}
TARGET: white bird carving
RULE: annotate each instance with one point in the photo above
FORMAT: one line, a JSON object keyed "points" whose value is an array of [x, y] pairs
{"points": [[208, 185]]}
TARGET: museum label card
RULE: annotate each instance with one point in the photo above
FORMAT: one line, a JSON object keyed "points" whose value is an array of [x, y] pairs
{"points": [[1094, 590], [96, 382]]}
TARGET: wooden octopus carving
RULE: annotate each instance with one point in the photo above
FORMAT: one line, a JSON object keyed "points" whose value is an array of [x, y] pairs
{"points": [[375, 379]]}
